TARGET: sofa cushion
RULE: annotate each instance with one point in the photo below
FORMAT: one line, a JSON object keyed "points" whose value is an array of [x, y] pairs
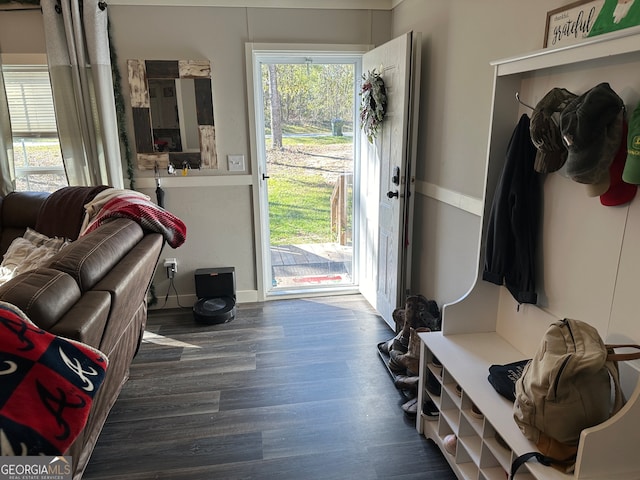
{"points": [[92, 256], [44, 295], [63, 211]]}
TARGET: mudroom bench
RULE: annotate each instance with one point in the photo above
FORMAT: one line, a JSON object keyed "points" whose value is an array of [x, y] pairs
{"points": [[588, 264], [605, 451]]}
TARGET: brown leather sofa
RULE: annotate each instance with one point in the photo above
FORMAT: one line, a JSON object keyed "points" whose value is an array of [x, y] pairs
{"points": [[94, 290]]}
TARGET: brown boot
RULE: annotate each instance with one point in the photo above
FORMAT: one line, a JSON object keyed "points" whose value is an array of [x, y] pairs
{"points": [[408, 363], [400, 342], [404, 382]]}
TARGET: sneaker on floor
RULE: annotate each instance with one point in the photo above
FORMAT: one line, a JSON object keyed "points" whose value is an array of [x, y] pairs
{"points": [[450, 443]]}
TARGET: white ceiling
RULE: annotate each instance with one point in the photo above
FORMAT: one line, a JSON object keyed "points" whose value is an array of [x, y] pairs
{"points": [[331, 4]]}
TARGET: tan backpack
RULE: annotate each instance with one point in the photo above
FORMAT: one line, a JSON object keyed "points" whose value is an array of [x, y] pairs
{"points": [[567, 387]]}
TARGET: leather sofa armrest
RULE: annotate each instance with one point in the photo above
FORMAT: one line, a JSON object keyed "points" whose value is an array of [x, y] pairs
{"points": [[44, 295], [86, 320], [18, 210], [127, 285]]}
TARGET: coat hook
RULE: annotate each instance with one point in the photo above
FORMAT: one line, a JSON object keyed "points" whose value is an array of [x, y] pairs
{"points": [[521, 102]]}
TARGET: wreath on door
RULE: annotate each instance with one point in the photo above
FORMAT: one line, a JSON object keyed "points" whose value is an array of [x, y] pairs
{"points": [[374, 104]]}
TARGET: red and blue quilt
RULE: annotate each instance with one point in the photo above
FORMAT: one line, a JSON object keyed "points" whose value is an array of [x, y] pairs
{"points": [[47, 385]]}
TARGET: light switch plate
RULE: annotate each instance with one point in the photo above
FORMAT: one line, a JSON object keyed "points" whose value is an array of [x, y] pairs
{"points": [[235, 163]]}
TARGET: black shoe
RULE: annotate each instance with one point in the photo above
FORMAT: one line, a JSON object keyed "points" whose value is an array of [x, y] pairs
{"points": [[430, 410], [433, 385]]}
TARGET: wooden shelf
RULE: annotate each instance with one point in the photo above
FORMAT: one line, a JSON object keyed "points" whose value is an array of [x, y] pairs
{"points": [[612, 44]]}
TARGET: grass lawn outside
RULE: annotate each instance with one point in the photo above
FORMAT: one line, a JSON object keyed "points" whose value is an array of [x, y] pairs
{"points": [[302, 177], [300, 210]]}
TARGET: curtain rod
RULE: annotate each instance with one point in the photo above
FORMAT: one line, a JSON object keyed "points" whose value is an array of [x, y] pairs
{"points": [[23, 9]]}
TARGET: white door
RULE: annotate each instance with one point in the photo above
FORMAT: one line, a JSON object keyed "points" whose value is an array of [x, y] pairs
{"points": [[386, 183]]}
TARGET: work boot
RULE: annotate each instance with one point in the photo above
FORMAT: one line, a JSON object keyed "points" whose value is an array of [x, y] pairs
{"points": [[408, 363], [420, 312], [398, 317], [400, 342], [404, 382]]}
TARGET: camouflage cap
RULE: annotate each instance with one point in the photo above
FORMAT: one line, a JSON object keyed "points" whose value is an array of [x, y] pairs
{"points": [[545, 130], [591, 127]]}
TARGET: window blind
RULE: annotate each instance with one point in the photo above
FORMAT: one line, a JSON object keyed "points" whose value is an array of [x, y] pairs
{"points": [[30, 101]]}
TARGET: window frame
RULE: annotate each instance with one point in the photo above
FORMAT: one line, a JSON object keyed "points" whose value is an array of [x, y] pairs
{"points": [[24, 173]]}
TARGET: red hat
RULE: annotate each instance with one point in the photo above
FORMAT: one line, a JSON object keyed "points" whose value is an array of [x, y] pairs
{"points": [[619, 191]]}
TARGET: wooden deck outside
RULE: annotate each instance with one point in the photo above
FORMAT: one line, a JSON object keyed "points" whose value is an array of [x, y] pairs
{"points": [[311, 264]]}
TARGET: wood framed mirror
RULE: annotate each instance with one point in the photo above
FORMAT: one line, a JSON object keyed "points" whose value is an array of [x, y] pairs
{"points": [[172, 107]]}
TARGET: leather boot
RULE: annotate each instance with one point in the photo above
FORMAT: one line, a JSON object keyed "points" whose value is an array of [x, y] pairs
{"points": [[400, 342], [404, 382], [408, 363]]}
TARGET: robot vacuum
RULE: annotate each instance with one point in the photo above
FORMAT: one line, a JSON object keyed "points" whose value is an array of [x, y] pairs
{"points": [[216, 292]]}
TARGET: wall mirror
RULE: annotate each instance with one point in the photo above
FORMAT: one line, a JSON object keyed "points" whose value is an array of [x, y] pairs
{"points": [[172, 109]]}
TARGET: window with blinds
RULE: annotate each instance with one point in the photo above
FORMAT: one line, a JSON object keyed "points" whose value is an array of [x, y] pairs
{"points": [[37, 157]]}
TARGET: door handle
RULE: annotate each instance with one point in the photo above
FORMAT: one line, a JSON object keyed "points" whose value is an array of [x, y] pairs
{"points": [[392, 194], [264, 177], [396, 176]]}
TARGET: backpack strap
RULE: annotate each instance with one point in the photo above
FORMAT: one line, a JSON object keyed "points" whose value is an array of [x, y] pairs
{"points": [[522, 459], [612, 365], [543, 459], [619, 399], [620, 357]]}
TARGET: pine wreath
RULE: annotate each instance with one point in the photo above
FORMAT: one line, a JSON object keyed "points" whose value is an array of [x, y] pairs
{"points": [[374, 104]]}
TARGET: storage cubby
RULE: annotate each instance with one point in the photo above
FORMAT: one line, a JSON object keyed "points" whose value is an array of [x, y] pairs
{"points": [[589, 264]]}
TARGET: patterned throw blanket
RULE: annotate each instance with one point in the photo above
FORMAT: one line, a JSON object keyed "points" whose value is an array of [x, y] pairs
{"points": [[47, 385], [138, 208]]}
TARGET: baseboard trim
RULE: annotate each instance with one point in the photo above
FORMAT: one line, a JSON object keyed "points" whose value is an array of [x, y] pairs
{"points": [[187, 301]]}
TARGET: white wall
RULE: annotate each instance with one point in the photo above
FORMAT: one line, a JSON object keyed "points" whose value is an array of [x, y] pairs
{"points": [[460, 39]]}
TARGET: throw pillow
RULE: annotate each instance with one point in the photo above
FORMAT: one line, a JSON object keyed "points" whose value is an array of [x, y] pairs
{"points": [[27, 253]]}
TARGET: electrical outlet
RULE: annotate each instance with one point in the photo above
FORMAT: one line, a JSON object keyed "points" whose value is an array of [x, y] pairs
{"points": [[235, 163], [171, 264]]}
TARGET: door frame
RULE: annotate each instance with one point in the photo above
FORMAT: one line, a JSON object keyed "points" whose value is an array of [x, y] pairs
{"points": [[254, 54]]}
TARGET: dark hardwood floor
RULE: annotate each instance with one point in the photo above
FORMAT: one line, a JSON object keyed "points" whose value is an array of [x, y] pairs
{"points": [[290, 389]]}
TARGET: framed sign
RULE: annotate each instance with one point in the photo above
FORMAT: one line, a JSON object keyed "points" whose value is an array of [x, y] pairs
{"points": [[572, 23]]}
